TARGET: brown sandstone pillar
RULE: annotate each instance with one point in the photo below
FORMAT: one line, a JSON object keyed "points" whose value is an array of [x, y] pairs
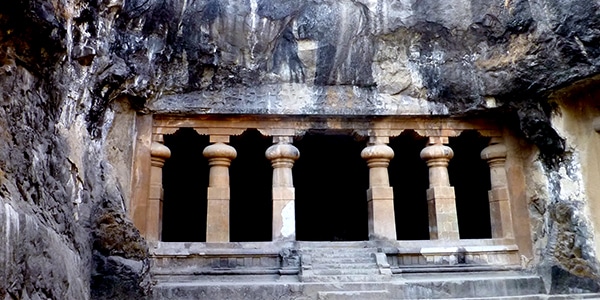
{"points": [[282, 156], [380, 195], [500, 214], [219, 157], [443, 221], [159, 153]]}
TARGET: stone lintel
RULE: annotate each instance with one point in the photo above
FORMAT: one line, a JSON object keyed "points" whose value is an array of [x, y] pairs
{"points": [[292, 125]]}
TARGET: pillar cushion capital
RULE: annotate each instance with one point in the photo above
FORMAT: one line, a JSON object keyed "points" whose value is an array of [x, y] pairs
{"points": [[379, 151], [158, 150], [494, 151], [437, 151], [281, 150], [219, 150]]}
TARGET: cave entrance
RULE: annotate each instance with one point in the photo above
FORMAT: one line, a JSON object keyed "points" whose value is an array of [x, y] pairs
{"points": [[470, 177], [251, 206], [331, 180], [409, 176], [185, 182]]}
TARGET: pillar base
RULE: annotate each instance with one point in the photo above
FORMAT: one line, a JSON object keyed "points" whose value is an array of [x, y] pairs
{"points": [[443, 221], [500, 213], [284, 214], [217, 223], [382, 223]]}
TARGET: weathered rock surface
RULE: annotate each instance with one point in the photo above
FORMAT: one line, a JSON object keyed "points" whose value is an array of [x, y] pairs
{"points": [[64, 63]]}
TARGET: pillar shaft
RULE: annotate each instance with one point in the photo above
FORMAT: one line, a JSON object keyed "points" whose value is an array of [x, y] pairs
{"points": [[380, 195], [443, 220], [282, 156], [219, 157], [500, 211], [159, 153]]}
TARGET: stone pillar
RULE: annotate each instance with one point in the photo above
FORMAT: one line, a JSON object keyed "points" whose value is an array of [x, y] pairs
{"points": [[500, 213], [380, 195], [282, 156], [443, 221], [158, 154], [219, 157]]}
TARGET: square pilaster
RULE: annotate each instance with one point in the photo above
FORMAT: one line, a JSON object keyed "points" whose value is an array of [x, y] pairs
{"points": [[382, 222], [443, 220], [217, 215], [284, 214], [500, 213]]}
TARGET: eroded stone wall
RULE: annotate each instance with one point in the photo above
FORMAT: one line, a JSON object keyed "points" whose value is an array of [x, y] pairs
{"points": [[59, 193]]}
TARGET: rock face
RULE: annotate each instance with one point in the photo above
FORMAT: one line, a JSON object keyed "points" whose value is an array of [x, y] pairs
{"points": [[66, 66]]}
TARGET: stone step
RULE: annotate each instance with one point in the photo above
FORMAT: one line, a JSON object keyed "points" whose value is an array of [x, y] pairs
{"points": [[353, 295], [346, 278], [368, 271], [338, 255], [345, 266], [336, 245], [590, 296], [343, 260], [337, 250], [505, 285]]}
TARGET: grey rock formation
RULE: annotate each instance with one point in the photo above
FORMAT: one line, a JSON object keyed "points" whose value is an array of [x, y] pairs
{"points": [[64, 63]]}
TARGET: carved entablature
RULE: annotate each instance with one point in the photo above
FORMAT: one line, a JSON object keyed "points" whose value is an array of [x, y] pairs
{"points": [[389, 126]]}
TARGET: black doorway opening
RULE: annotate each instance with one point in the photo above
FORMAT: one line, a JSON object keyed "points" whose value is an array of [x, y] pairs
{"points": [[331, 181], [185, 180], [409, 176], [250, 215], [470, 176]]}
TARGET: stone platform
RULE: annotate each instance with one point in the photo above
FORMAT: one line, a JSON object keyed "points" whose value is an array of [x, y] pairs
{"points": [[341, 270], [481, 285]]}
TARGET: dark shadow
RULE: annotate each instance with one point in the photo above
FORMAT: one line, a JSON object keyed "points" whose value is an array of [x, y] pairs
{"points": [[470, 176], [331, 180], [250, 180], [185, 180], [409, 178]]}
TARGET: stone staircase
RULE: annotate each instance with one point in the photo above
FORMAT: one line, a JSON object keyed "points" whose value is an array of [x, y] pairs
{"points": [[342, 262]]}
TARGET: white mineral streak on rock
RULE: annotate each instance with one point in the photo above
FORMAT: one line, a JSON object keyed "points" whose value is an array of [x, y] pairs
{"points": [[571, 186], [253, 39], [289, 221], [183, 9], [69, 37], [11, 231]]}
